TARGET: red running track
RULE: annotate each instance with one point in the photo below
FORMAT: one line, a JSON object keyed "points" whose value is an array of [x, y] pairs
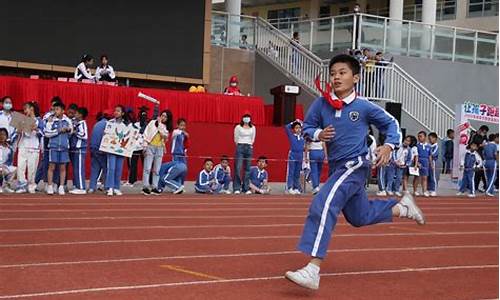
{"points": [[226, 247]]}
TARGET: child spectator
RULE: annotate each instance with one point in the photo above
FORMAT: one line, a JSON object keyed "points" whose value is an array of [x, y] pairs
{"points": [[114, 166], [468, 166], [78, 150], [206, 183], [396, 168], [98, 159], [7, 171], [411, 160], [448, 151], [5, 118], [82, 71], [295, 156], [432, 179], [171, 174], [258, 177], [222, 173], [316, 152], [424, 158], [105, 72], [29, 150], [71, 111], [490, 153], [58, 129], [179, 140], [155, 137]]}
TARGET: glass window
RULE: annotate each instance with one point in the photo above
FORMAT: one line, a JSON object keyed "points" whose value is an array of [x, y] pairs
{"points": [[480, 8], [282, 18]]}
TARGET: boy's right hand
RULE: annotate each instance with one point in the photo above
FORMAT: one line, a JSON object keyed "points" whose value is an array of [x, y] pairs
{"points": [[327, 134]]}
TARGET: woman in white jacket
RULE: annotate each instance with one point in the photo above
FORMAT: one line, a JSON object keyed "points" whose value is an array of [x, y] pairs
{"points": [[155, 137]]}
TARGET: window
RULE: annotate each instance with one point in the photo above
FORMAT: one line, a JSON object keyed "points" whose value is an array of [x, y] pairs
{"points": [[282, 18], [446, 10], [324, 12], [482, 8]]}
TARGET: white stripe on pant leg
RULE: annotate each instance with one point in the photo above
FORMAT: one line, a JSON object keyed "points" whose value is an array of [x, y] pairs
{"points": [[473, 184], [492, 177], [80, 168], [434, 174], [328, 201]]}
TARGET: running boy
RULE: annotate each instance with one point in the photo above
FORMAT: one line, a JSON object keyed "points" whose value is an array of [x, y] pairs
{"points": [[206, 183], [432, 180], [222, 173], [57, 129], [295, 156], [78, 150], [258, 177], [341, 119]]}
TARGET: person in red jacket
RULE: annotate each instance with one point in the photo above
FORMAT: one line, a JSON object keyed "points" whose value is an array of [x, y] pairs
{"points": [[233, 89]]}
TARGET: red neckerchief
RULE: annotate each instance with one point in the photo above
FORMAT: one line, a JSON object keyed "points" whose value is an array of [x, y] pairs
{"points": [[335, 103]]}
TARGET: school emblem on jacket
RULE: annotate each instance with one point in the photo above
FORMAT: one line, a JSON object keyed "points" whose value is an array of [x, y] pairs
{"points": [[354, 116]]}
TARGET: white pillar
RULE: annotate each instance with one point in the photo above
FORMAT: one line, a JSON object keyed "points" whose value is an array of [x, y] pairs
{"points": [[428, 17], [313, 14], [233, 8], [394, 30]]}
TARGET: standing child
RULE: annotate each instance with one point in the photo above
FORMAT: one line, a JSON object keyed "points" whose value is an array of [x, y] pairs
{"points": [[222, 173], [317, 157], [343, 124], [7, 170], [98, 159], [29, 150], [411, 161], [206, 183], [58, 129], [397, 167], [179, 138], [448, 151], [432, 183], [78, 150], [424, 158], [295, 156], [171, 174], [468, 166], [490, 152], [114, 165], [258, 177]]}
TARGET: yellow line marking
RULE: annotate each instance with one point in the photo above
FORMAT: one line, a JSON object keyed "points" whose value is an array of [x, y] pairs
{"points": [[412, 229], [194, 273]]}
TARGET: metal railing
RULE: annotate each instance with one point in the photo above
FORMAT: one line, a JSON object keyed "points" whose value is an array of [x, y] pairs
{"points": [[380, 81]]}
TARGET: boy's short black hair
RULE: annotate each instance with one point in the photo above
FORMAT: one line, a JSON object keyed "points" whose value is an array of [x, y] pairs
{"points": [[55, 99], [224, 157], [433, 134], [73, 106], [83, 111], [473, 143], [207, 160], [450, 131], [59, 104], [262, 158], [484, 128], [492, 137], [378, 53], [2, 129], [180, 120], [295, 123], [422, 132], [347, 59]]}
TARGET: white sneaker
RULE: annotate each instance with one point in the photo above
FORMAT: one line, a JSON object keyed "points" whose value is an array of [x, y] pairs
{"points": [[50, 190], [414, 211], [459, 194], [381, 193], [237, 192], [248, 192], [117, 192], [290, 192], [180, 190], [1, 190], [304, 277], [20, 191], [128, 184], [297, 192], [399, 194], [78, 192], [390, 193], [471, 195], [490, 195], [227, 192], [61, 191], [315, 190], [32, 188], [426, 194], [433, 194], [110, 192], [416, 194]]}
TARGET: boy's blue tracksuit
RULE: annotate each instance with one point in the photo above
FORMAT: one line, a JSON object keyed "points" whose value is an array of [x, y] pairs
{"points": [[223, 177], [78, 151], [395, 171], [469, 165], [424, 152], [205, 183], [171, 175], [257, 177], [98, 160], [490, 151], [295, 156], [432, 180], [344, 190], [58, 143]]}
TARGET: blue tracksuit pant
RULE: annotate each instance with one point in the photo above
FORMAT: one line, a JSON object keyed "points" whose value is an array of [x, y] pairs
{"points": [[180, 158], [113, 171], [490, 167], [432, 180], [173, 178], [382, 178], [77, 157], [343, 192], [468, 182], [316, 158], [293, 171], [394, 178], [98, 164]]}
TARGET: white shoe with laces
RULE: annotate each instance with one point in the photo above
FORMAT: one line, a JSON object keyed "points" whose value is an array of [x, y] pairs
{"points": [[237, 192], [61, 191], [399, 194], [459, 194], [413, 212], [117, 192], [381, 193], [304, 277], [110, 192], [471, 195], [433, 194], [248, 192], [390, 193], [416, 194], [315, 190], [426, 194], [180, 190], [32, 188], [78, 192], [490, 195], [50, 190]]}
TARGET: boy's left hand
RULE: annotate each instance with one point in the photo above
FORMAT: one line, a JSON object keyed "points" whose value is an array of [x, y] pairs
{"points": [[383, 155]]}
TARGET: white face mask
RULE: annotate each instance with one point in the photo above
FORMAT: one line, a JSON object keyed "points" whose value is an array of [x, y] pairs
{"points": [[234, 84], [246, 120], [7, 106]]}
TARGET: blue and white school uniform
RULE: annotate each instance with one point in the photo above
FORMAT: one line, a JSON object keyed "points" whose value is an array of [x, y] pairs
{"points": [[178, 151], [114, 163], [295, 157], [432, 180], [424, 152], [29, 155], [469, 165], [223, 176], [396, 168], [205, 183], [98, 159], [7, 170], [258, 177], [316, 159], [5, 119], [490, 152], [58, 141], [345, 191], [171, 175], [78, 151]]}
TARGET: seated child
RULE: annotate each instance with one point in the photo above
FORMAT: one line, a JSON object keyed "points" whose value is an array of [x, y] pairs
{"points": [[222, 173], [7, 170], [258, 177], [171, 175], [206, 183]]}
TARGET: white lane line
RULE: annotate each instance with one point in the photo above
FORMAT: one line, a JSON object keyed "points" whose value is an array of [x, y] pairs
{"points": [[250, 254], [489, 204], [235, 238], [247, 279], [214, 226]]}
